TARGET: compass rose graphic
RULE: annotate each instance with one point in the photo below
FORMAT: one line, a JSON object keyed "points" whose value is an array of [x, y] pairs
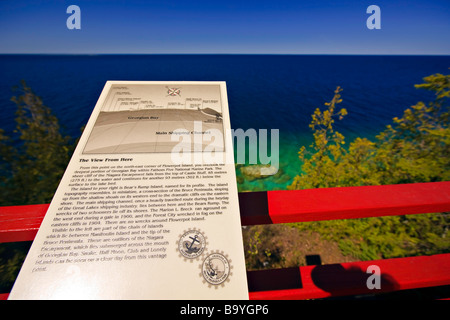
{"points": [[173, 92]]}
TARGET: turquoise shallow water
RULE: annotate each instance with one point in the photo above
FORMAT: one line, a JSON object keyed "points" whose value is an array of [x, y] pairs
{"points": [[289, 165], [289, 162]]}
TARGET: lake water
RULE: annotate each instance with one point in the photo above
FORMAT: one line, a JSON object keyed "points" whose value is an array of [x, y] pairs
{"points": [[264, 91]]}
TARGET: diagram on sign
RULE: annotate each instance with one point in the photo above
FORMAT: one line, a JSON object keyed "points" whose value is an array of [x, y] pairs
{"points": [[142, 119]]}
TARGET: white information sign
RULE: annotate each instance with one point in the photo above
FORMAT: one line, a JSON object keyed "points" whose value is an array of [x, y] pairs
{"points": [[148, 205]]}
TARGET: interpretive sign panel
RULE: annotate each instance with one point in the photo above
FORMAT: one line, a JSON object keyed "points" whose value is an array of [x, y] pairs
{"points": [[148, 205]]}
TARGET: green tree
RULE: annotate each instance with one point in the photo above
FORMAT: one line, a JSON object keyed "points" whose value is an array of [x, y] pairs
{"points": [[414, 148], [319, 166], [32, 162], [32, 167], [11, 259]]}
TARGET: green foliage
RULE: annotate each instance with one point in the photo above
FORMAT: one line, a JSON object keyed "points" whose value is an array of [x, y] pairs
{"points": [[414, 148], [265, 247], [319, 166], [30, 172], [254, 254], [11, 258], [32, 163], [438, 83]]}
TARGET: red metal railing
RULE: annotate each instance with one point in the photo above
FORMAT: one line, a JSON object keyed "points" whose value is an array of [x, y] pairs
{"points": [[20, 223]]}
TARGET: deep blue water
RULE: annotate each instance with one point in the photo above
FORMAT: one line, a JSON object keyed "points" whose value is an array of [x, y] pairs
{"points": [[264, 91]]}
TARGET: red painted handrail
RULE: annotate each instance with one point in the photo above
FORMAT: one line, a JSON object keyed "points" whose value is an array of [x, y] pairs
{"points": [[346, 279], [343, 203], [20, 223]]}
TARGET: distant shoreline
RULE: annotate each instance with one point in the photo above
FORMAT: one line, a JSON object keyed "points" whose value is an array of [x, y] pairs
{"points": [[160, 114]]}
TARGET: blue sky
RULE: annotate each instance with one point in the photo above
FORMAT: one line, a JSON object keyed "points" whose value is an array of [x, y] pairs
{"points": [[261, 27]]}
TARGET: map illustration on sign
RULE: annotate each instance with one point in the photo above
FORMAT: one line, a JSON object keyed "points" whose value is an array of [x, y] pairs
{"points": [[142, 119]]}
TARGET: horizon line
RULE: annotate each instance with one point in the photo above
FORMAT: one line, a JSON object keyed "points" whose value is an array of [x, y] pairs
{"points": [[261, 54]]}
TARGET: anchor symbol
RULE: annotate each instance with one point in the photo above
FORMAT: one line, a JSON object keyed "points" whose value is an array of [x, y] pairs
{"points": [[189, 246]]}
